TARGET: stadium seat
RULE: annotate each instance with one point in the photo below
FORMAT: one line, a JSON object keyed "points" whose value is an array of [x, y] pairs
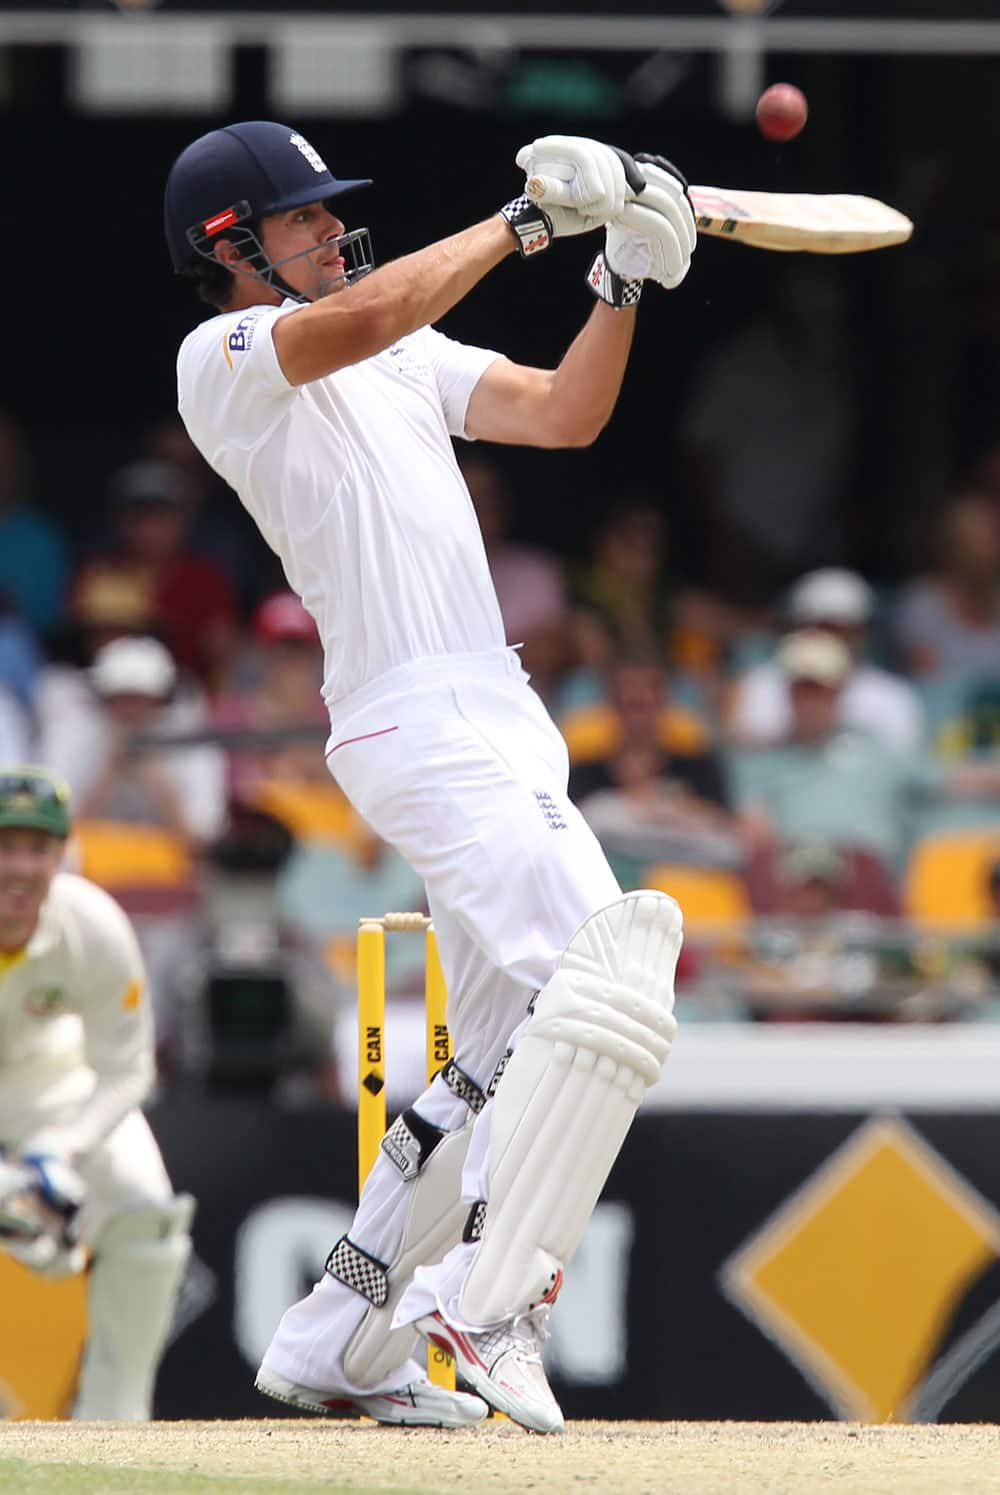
{"points": [[594, 732], [947, 879], [147, 868], [714, 900], [312, 811]]}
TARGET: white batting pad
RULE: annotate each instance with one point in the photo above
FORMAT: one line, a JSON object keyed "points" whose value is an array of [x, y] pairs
{"points": [[434, 1223], [598, 1038]]}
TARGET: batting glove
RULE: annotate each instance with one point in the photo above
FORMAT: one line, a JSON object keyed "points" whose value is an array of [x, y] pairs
{"points": [[40, 1197], [573, 185], [653, 237], [57, 1183]]}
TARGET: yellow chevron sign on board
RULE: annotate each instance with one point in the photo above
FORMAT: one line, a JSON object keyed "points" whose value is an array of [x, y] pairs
{"points": [[858, 1274]]}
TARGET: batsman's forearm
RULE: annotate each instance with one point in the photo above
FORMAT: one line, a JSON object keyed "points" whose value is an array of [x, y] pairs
{"points": [[398, 299], [587, 383]]}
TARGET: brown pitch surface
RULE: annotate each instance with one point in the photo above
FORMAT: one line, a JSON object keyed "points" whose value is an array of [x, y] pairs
{"points": [[615, 1458]]}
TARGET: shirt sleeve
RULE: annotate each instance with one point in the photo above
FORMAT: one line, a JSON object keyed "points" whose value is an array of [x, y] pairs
{"points": [[231, 388], [118, 1033], [457, 368]]}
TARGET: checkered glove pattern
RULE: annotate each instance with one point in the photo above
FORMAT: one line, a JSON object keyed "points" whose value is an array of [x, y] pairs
{"points": [[617, 290], [531, 227]]}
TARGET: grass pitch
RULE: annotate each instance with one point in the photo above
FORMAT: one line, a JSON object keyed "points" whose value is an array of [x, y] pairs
{"points": [[283, 1457]]}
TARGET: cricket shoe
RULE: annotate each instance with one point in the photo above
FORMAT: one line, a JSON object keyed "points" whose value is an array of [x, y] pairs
{"points": [[420, 1404], [504, 1365]]}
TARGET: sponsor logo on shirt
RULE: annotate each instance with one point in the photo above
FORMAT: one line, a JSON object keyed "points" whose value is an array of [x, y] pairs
{"points": [[45, 1001], [404, 362], [240, 338], [551, 813]]}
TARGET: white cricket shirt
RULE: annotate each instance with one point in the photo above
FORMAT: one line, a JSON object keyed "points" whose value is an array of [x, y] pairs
{"points": [[76, 1033], [352, 480]]}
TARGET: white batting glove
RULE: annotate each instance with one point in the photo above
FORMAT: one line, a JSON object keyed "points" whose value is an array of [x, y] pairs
{"points": [[571, 172], [654, 237], [40, 1197], [573, 185]]}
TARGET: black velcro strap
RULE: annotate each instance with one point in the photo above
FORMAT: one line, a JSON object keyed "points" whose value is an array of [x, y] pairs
{"points": [[530, 225], [357, 1270], [491, 1088], [633, 175], [476, 1222], [465, 1088], [410, 1141], [662, 163]]}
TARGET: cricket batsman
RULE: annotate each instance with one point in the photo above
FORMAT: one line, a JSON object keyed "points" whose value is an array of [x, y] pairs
{"points": [[325, 397], [82, 1184]]}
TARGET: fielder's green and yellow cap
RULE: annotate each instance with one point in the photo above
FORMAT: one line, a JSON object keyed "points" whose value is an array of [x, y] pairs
{"points": [[34, 799]]}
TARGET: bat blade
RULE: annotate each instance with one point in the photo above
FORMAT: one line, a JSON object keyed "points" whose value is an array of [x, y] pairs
{"points": [[837, 223]]}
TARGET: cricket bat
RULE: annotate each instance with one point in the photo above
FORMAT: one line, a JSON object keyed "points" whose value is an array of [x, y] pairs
{"points": [[836, 223]]}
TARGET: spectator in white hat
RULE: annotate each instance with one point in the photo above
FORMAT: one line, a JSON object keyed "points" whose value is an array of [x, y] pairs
{"points": [[872, 700], [826, 782], [146, 812], [134, 680]]}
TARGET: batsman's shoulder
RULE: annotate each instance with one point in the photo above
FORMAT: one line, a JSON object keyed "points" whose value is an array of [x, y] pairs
{"points": [[227, 337]]}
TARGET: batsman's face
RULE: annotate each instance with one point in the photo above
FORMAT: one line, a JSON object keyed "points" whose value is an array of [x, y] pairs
{"points": [[310, 233], [28, 861]]}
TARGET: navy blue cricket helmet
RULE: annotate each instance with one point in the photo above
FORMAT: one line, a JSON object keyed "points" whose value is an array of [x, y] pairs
{"points": [[232, 177]]}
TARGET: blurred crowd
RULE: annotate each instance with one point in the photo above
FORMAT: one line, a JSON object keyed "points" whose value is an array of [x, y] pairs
{"points": [[808, 762]]}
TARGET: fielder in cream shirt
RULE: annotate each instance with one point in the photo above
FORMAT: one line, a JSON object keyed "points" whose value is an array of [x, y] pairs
{"points": [[82, 1182]]}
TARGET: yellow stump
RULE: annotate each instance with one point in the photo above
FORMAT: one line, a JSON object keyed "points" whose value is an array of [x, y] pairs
{"points": [[436, 1006], [371, 1054], [371, 1045], [440, 1366]]}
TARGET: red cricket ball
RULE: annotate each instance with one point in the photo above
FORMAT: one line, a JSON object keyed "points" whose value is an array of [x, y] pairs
{"points": [[781, 111]]}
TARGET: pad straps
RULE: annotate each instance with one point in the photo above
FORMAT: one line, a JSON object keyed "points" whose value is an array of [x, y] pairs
{"points": [[463, 1086], [357, 1270]]}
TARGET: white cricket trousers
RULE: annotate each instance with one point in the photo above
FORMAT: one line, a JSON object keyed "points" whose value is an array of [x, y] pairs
{"points": [[456, 763]]}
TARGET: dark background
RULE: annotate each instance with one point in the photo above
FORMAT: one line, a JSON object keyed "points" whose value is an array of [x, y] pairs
{"points": [[93, 317], [698, 1186], [950, 10]]}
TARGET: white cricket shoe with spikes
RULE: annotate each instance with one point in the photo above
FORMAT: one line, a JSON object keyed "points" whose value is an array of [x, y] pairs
{"points": [[420, 1404], [504, 1365]]}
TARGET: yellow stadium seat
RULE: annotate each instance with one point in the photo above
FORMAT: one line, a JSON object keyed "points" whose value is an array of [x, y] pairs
{"points": [[116, 854], [312, 811], [594, 732], [714, 900], [946, 880]]}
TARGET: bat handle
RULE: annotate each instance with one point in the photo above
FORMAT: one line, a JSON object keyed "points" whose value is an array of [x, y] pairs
{"points": [[543, 189]]}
